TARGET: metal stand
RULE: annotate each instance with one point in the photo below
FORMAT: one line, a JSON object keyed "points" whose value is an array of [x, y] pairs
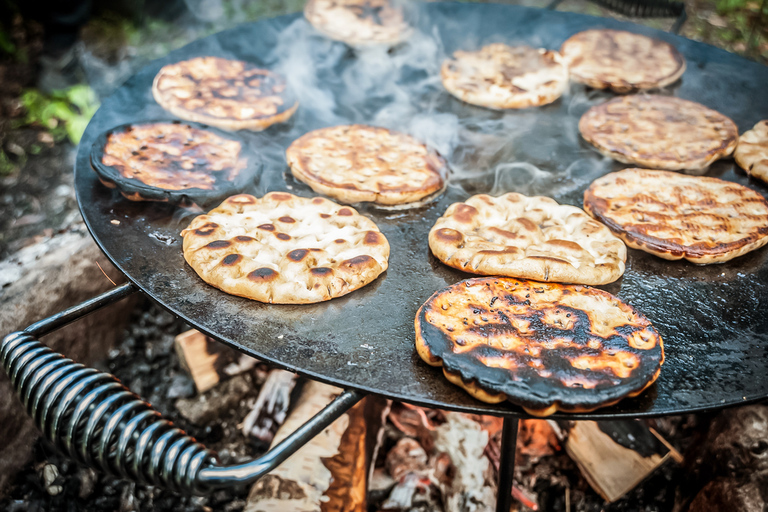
{"points": [[93, 418], [507, 464]]}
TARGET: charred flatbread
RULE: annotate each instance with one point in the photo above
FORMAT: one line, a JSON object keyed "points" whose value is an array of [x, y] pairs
{"points": [[171, 161], [528, 237], [501, 77], [674, 216], [285, 249], [752, 152], [360, 163], [359, 22], [228, 94], [545, 347], [621, 61], [659, 132]]}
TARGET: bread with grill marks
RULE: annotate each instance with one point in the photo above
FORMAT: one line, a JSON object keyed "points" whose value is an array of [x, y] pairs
{"points": [[543, 346], [502, 77], [659, 132], [527, 237], [359, 22], [227, 94], [675, 216], [621, 61], [752, 152], [285, 249], [359, 163]]}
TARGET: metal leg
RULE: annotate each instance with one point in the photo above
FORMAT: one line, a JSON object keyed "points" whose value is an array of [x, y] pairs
{"points": [[507, 464]]}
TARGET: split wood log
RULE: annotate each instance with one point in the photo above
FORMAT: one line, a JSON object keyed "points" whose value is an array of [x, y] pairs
{"points": [[209, 362], [464, 440], [329, 473], [611, 467], [271, 406]]}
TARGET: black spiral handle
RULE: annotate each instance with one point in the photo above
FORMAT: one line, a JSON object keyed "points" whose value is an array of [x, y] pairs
{"points": [[93, 418], [97, 421]]}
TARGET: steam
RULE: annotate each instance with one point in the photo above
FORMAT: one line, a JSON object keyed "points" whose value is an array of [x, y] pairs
{"points": [[400, 88]]}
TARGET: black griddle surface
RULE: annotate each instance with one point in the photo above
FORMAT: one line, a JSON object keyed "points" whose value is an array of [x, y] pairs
{"points": [[714, 319]]}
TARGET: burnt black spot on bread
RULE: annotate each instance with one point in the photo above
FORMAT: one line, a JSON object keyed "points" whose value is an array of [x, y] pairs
{"points": [[359, 261], [283, 236], [263, 274], [339, 241], [242, 199], [448, 235], [320, 271], [287, 219], [297, 254], [372, 238], [324, 216], [243, 238], [266, 227], [218, 244], [206, 229], [231, 259], [345, 212], [280, 196], [465, 213]]}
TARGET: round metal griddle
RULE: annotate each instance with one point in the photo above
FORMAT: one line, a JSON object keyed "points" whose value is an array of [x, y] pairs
{"points": [[713, 319]]}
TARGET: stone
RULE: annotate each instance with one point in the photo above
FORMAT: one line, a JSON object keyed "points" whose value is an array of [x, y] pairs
{"points": [[42, 279], [733, 462], [737, 443], [732, 494], [214, 403]]}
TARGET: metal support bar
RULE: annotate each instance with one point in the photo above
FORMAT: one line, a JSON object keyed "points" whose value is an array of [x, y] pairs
{"points": [[95, 420], [507, 464], [219, 476], [69, 315]]}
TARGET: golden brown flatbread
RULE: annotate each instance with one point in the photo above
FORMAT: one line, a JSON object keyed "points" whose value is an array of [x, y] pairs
{"points": [[752, 152], [285, 249], [360, 163], [546, 347], [659, 132], [359, 22], [529, 237], [674, 216], [621, 61], [500, 76], [172, 156], [227, 94]]}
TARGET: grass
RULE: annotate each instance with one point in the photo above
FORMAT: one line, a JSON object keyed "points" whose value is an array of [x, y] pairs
{"points": [[64, 113]]}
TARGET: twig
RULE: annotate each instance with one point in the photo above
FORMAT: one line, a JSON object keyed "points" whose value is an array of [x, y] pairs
{"points": [[105, 274]]}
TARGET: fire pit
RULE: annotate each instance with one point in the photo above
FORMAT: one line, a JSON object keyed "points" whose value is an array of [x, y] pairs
{"points": [[711, 318]]}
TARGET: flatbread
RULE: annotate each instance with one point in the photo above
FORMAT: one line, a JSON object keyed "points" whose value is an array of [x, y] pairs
{"points": [[752, 152], [501, 77], [528, 237], [545, 347], [360, 163], [174, 161], [659, 132], [621, 61], [674, 216], [285, 249], [359, 22], [228, 94]]}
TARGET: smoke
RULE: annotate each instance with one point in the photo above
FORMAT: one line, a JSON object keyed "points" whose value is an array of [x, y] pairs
{"points": [[400, 88]]}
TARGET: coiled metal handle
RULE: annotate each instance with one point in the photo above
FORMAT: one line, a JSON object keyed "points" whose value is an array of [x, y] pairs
{"points": [[97, 421], [93, 418]]}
